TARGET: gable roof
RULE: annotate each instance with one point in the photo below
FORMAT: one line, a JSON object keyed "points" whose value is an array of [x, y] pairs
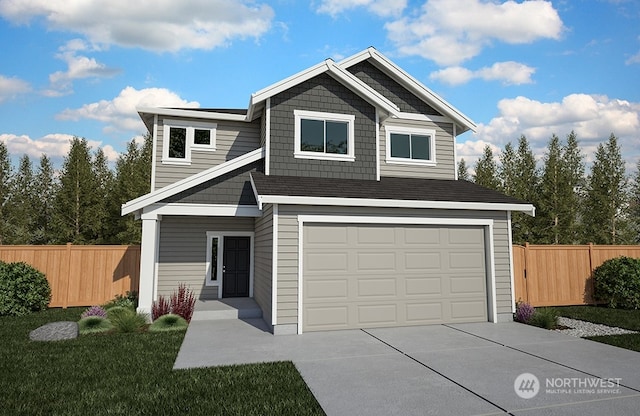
{"points": [[339, 72], [387, 192]]}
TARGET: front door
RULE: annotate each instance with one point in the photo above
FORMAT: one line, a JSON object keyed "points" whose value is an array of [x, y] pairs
{"points": [[235, 267]]}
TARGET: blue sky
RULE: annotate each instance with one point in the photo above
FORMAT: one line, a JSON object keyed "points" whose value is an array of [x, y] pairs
{"points": [[80, 68]]}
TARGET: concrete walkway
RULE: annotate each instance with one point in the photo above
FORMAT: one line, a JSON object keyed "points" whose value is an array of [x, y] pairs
{"points": [[465, 369]]}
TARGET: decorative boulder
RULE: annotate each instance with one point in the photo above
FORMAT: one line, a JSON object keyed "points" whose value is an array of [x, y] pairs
{"points": [[55, 331]]}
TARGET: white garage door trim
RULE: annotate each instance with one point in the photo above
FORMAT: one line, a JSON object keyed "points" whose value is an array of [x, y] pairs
{"points": [[302, 219]]}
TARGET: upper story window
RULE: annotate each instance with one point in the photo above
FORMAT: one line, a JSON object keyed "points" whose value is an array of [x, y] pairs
{"points": [[411, 145], [180, 137], [324, 135]]}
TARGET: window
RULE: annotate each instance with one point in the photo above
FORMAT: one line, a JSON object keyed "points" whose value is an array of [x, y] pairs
{"points": [[410, 146], [324, 135], [214, 264], [181, 137]]}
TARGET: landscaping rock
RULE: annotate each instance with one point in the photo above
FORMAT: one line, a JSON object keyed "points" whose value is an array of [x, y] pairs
{"points": [[55, 331], [581, 329]]}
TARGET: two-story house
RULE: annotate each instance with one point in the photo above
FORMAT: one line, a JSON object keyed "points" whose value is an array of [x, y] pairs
{"points": [[332, 200]]}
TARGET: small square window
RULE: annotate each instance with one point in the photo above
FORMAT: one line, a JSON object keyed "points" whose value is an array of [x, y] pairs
{"points": [[202, 137]]}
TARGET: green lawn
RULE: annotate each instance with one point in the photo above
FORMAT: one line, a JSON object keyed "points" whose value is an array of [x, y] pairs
{"points": [[125, 374], [622, 318]]}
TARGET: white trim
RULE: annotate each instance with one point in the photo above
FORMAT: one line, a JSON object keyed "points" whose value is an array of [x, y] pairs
{"points": [[190, 145], [204, 210], [455, 154], [154, 158], [183, 112], [511, 272], [390, 129], [267, 136], [218, 282], [346, 219], [148, 263], [287, 83], [377, 146], [191, 181], [299, 115], [389, 203], [221, 235], [274, 268]]}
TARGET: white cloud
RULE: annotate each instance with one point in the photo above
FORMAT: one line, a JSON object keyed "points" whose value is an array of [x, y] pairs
{"points": [[11, 87], [452, 31], [510, 73], [383, 8], [635, 59], [119, 114], [56, 146], [160, 25]]}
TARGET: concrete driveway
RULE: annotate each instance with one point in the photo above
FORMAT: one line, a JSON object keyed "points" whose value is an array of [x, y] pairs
{"points": [[464, 369]]}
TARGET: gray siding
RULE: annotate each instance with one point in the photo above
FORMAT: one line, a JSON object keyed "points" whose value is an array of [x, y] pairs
{"points": [[263, 254], [233, 139], [445, 160], [390, 89], [233, 188], [325, 94], [183, 251], [288, 249]]}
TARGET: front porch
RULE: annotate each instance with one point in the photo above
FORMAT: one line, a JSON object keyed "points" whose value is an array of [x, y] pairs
{"points": [[226, 308]]}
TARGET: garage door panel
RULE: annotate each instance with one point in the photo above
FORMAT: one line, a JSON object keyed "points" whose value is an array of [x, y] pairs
{"points": [[392, 276]]}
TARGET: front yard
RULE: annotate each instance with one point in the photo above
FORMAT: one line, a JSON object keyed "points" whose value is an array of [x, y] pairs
{"points": [[621, 318], [124, 374]]}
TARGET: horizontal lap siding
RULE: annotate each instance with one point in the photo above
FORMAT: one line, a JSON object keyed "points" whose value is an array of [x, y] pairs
{"points": [[288, 249], [445, 159], [183, 251], [262, 267], [233, 139]]}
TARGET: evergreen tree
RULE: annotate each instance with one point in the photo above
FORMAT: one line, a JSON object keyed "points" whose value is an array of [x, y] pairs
{"points": [[104, 179], [5, 191], [21, 204], [486, 170], [45, 189], [604, 218], [463, 171], [508, 170], [525, 188], [634, 205], [573, 162]]}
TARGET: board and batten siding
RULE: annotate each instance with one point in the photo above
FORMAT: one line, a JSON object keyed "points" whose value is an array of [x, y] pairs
{"points": [[183, 251], [288, 249], [445, 159], [233, 139], [263, 252]]}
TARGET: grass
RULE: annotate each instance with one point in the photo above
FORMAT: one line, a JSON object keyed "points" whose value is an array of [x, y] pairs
{"points": [[621, 318], [123, 374]]}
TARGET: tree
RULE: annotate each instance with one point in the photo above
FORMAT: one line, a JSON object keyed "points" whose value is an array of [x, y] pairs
{"points": [[604, 218], [104, 179], [463, 171], [45, 190], [5, 191], [21, 204], [573, 160], [525, 188], [508, 170], [486, 170], [634, 205]]}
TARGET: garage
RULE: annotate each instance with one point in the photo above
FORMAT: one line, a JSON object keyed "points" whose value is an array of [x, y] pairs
{"points": [[370, 275]]}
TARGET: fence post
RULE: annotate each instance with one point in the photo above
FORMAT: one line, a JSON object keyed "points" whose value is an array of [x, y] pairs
{"points": [[591, 262], [526, 277], [65, 304]]}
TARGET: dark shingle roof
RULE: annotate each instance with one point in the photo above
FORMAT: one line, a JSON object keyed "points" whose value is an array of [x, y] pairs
{"points": [[409, 189]]}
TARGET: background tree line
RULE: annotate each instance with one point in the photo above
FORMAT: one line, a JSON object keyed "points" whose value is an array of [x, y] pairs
{"points": [[80, 203], [602, 207]]}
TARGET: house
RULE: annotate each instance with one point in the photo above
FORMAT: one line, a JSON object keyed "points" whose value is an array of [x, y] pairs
{"points": [[332, 200]]}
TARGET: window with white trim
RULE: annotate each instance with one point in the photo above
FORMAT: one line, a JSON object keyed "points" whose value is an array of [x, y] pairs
{"points": [[321, 135], [410, 145], [181, 137], [214, 259]]}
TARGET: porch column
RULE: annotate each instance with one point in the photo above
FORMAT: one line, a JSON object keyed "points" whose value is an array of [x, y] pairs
{"points": [[148, 261]]}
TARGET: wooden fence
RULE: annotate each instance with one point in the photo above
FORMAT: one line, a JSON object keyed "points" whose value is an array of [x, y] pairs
{"points": [[81, 275], [549, 275]]}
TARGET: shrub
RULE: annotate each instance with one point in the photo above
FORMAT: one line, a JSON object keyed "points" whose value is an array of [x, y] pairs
{"points": [[168, 322], [524, 312], [94, 311], [93, 325], [126, 320], [183, 302], [160, 307], [117, 310], [546, 318], [121, 301], [23, 289], [617, 282]]}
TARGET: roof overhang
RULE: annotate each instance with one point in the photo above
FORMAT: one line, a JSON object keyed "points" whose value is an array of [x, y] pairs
{"points": [[147, 115]]}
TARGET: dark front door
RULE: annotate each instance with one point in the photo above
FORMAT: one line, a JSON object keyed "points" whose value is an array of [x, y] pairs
{"points": [[235, 267]]}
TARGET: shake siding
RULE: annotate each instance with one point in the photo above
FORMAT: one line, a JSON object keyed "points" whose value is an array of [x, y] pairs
{"points": [[233, 139], [263, 251], [445, 160], [288, 248], [183, 251]]}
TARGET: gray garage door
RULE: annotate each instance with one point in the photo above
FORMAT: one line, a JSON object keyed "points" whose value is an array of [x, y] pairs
{"points": [[365, 276]]}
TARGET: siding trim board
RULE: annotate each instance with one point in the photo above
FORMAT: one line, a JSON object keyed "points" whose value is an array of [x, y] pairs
{"points": [[488, 224], [274, 268], [204, 210]]}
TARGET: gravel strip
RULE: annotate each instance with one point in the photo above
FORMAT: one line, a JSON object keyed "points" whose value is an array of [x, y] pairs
{"points": [[588, 329]]}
